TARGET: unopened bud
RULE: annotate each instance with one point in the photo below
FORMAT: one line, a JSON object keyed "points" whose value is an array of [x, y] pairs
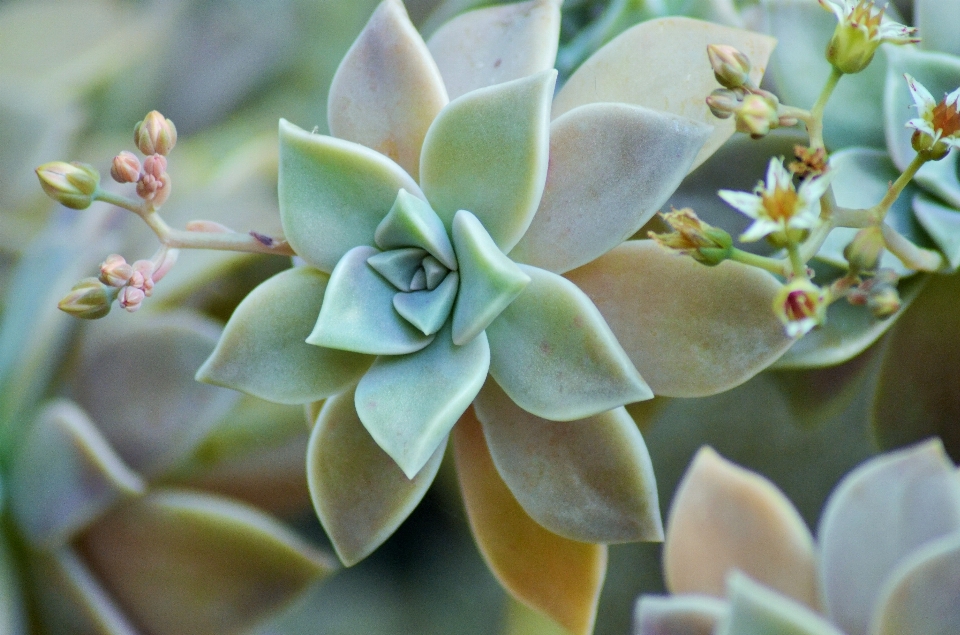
{"points": [[155, 135], [730, 66], [142, 277], [153, 189], [757, 115], [88, 300], [155, 165], [70, 184], [724, 103], [125, 168], [924, 143], [884, 301], [115, 271], [131, 298], [863, 252], [691, 236]]}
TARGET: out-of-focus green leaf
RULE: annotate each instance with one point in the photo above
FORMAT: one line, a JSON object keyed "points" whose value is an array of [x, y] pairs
{"points": [[689, 614], [942, 224], [758, 610]]}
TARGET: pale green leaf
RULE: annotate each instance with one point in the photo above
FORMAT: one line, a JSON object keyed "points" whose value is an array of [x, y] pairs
{"points": [[678, 615], [691, 330], [487, 153], [589, 480], [552, 352], [262, 350], [725, 518], [429, 309], [877, 515], [333, 193], [411, 222], [398, 266], [662, 64], [937, 22], [942, 224], [408, 403], [554, 575], [612, 166], [496, 44], [387, 89], [759, 610], [359, 493]]}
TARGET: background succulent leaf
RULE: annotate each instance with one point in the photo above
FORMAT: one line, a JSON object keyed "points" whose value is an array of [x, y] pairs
{"points": [[262, 351], [357, 313], [799, 69], [916, 392], [409, 403], [63, 475], [152, 358], [552, 352], [486, 152], [678, 615], [612, 166], [877, 515], [942, 224], [935, 20], [496, 44], [180, 561], [557, 576], [662, 64], [922, 595], [13, 618], [691, 330], [589, 480], [724, 518], [333, 193], [758, 610], [358, 491], [387, 89]]}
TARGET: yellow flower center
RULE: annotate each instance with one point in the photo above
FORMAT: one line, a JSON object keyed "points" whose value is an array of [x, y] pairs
{"points": [[946, 119], [862, 15], [781, 203]]}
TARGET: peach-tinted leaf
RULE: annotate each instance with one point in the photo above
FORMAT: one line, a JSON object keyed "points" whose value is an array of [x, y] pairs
{"points": [[678, 615]]}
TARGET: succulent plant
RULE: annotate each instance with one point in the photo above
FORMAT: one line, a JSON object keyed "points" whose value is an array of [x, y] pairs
{"points": [[739, 559]]}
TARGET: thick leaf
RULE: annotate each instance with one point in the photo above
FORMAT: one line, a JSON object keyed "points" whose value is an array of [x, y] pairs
{"points": [[489, 281], [612, 166], [939, 74], [184, 562], [387, 89], [429, 309], [411, 222], [357, 312], [589, 480], [937, 22], [559, 577], [942, 224], [916, 393], [359, 493], [799, 69], [877, 515], [333, 193], [759, 610], [487, 153], [662, 64], [409, 403], [552, 352], [922, 596], [678, 615], [64, 475], [691, 330], [262, 351], [724, 517], [398, 266], [159, 416], [496, 44]]}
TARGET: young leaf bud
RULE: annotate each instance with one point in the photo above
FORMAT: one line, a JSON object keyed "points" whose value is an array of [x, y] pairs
{"points": [[730, 66], [88, 300], [70, 184], [155, 135]]}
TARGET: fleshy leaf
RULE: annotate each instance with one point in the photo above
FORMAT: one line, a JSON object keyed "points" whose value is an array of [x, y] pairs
{"points": [[387, 89], [691, 330], [262, 351], [554, 355], [487, 153], [429, 309], [154, 358], [183, 562], [557, 576], [612, 166], [411, 222], [64, 475], [409, 403], [357, 312], [724, 517], [937, 22], [942, 224], [398, 265], [589, 480], [678, 615], [939, 74], [922, 595], [916, 393], [333, 193], [877, 515], [496, 44], [662, 64], [359, 493], [759, 610], [489, 281]]}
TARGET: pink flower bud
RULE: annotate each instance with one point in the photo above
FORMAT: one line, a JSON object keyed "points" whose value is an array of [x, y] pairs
{"points": [[730, 66], [142, 277], [155, 165], [131, 298], [154, 189], [115, 271], [155, 135], [125, 168]]}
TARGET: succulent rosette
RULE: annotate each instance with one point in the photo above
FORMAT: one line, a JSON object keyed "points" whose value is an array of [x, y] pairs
{"points": [[740, 559], [461, 236]]}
